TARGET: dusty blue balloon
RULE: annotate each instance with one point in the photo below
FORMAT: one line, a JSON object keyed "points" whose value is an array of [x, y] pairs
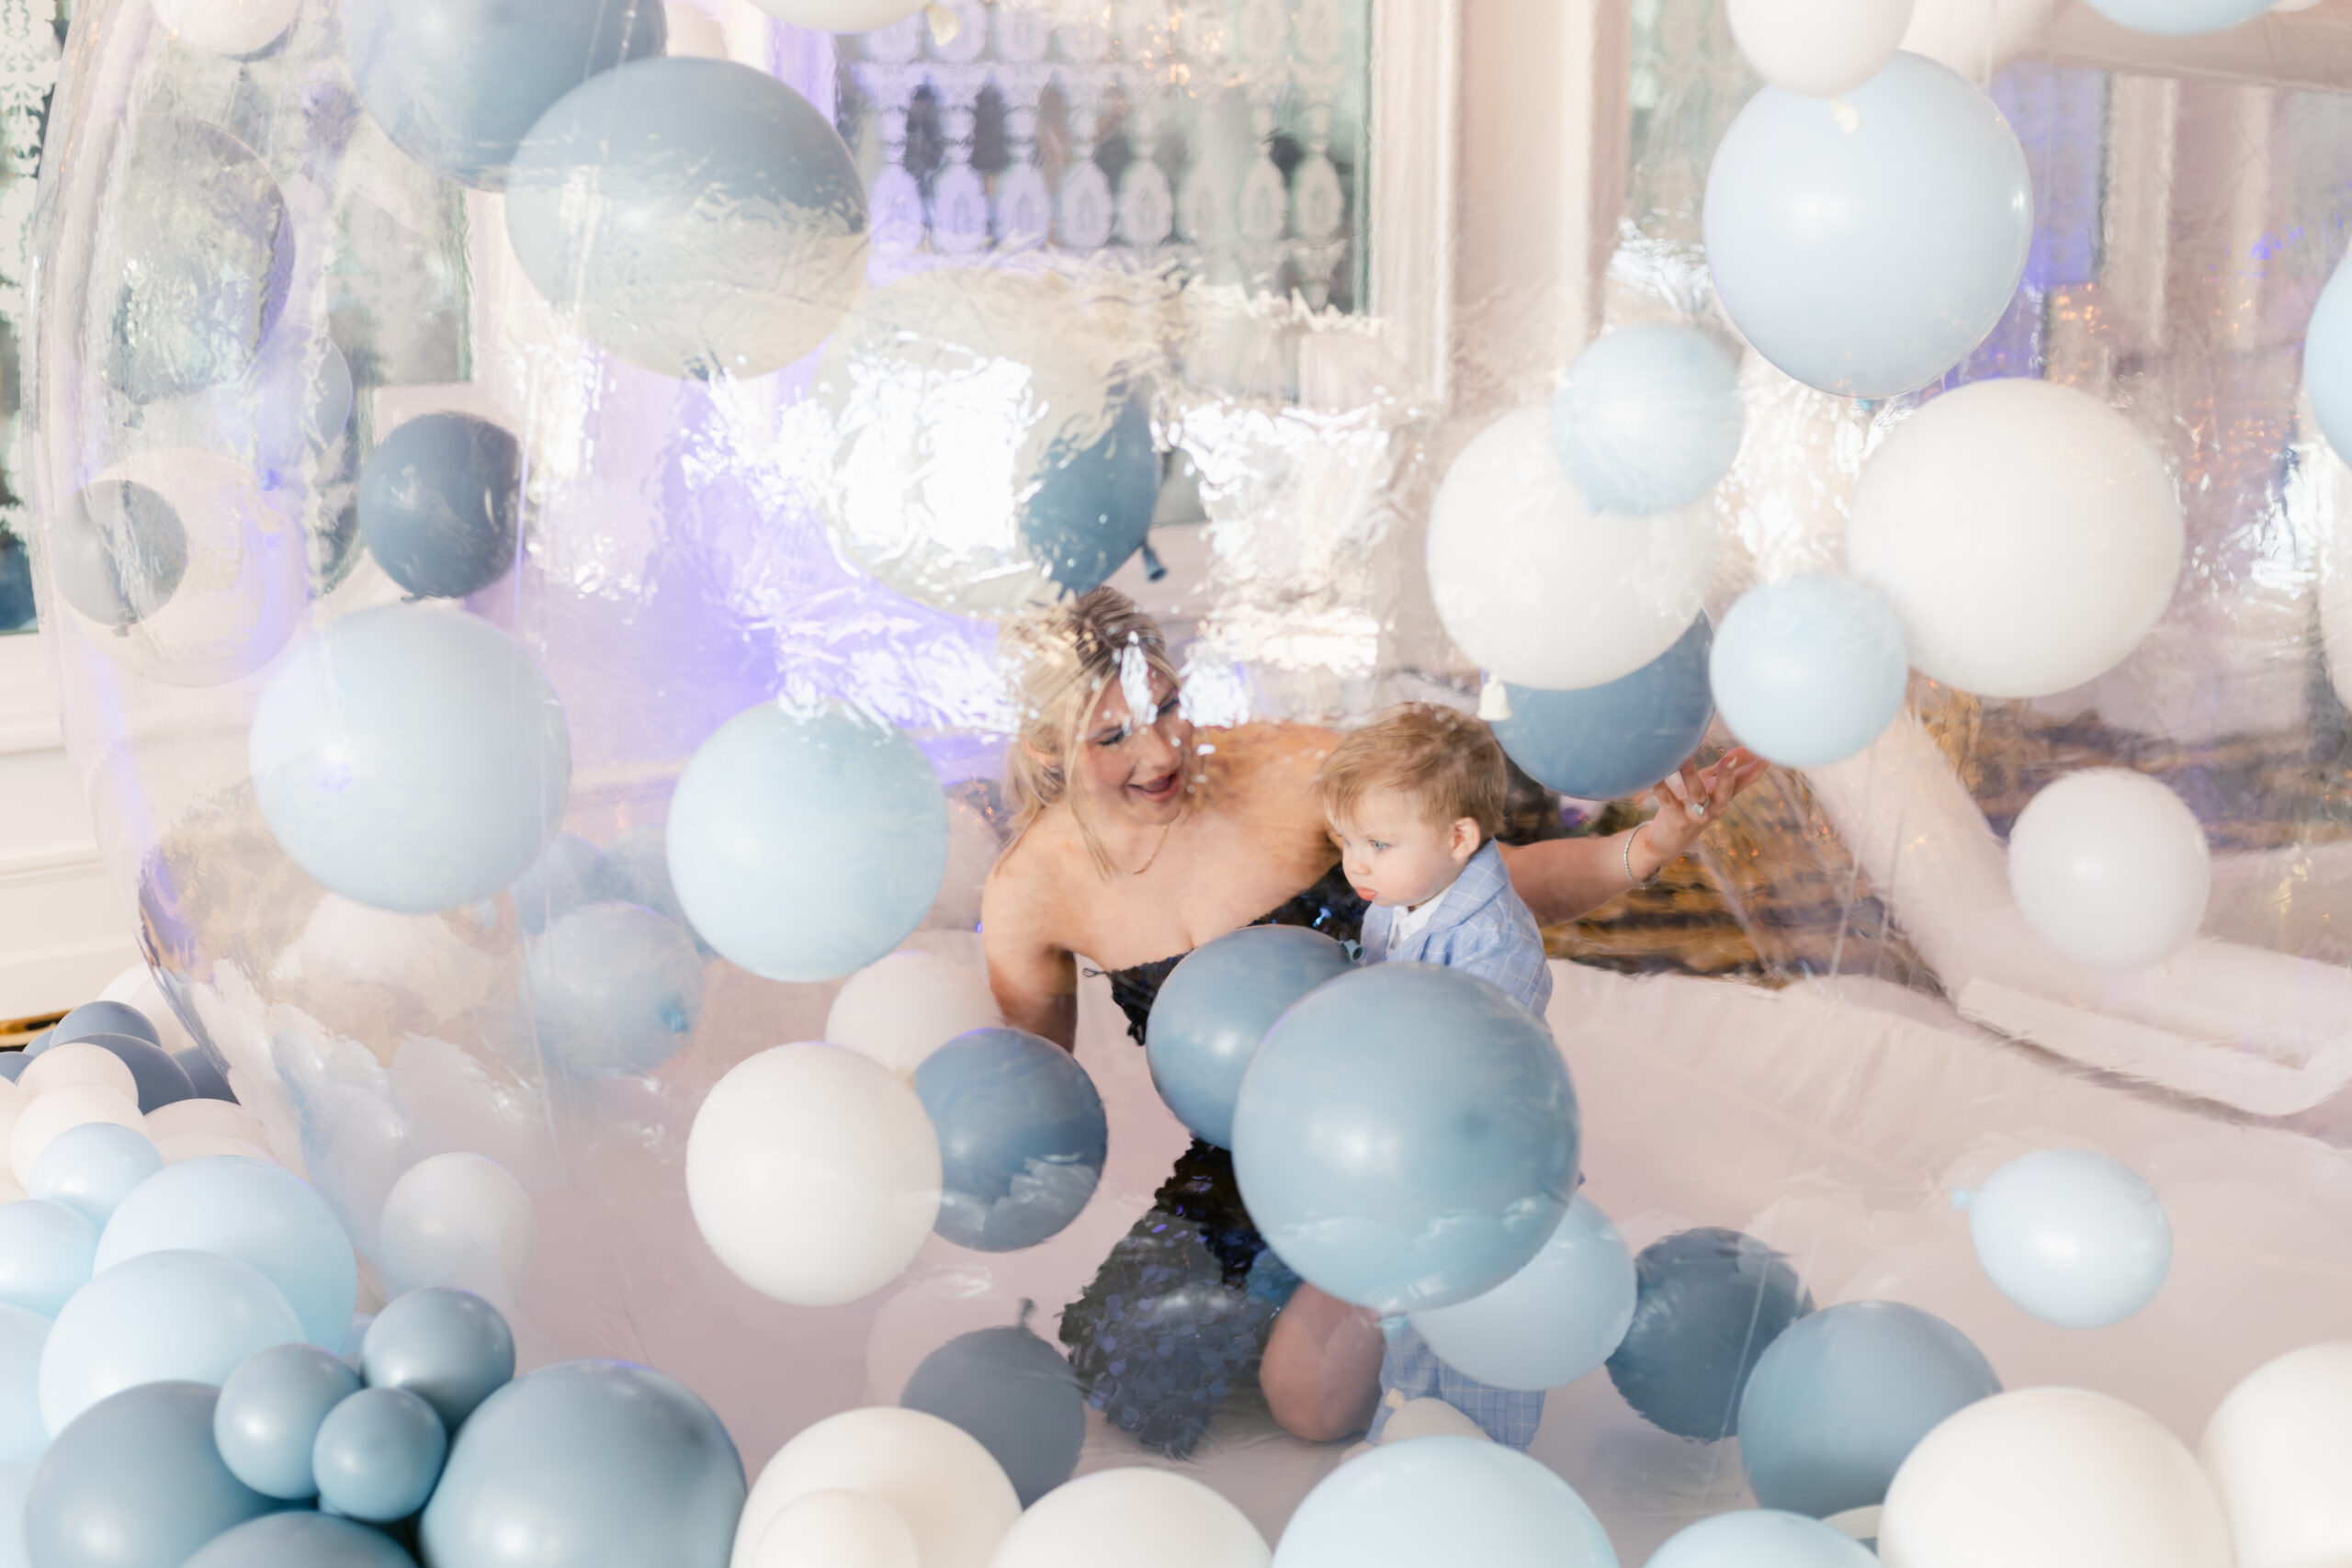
{"points": [[1762, 1538], [182, 1315], [439, 502], [14, 1063], [2072, 1237], [156, 1074], [569, 873], [92, 1168], [449, 1348], [588, 1465], [1606, 742], [456, 84], [208, 1081], [1648, 418], [23, 1433], [804, 846], [1406, 1138], [1710, 1303], [1022, 1137], [1091, 508], [1865, 245], [260, 1215], [1213, 1009], [1015, 1393], [136, 1482], [302, 1540], [1839, 1401], [411, 757], [1553, 1321], [46, 1253], [377, 1455], [614, 989], [2179, 17], [269, 1415], [1809, 670], [93, 1018], [2327, 360], [1450, 1500]]}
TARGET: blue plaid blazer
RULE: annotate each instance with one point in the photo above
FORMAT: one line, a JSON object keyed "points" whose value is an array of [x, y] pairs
{"points": [[1482, 926]]}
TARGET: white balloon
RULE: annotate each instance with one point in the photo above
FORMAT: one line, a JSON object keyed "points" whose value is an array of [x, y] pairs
{"points": [[814, 1174], [180, 1147], [938, 1478], [1821, 48], [2278, 1451], [1159, 1518], [136, 988], [1541, 590], [461, 1220], [227, 27], [47, 1115], [1976, 37], [13, 1101], [2026, 534], [218, 1117], [836, 1530], [899, 1010], [78, 1062], [841, 16], [2178, 18], [2110, 868], [2052, 1478], [1553, 1321], [695, 33]]}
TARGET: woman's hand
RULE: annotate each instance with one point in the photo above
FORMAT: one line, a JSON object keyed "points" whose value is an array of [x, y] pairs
{"points": [[1695, 799]]}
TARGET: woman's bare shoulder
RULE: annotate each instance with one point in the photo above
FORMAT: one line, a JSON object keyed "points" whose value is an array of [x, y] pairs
{"points": [[1271, 752]]}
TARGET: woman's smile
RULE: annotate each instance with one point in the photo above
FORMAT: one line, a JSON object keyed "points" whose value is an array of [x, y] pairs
{"points": [[1160, 788]]}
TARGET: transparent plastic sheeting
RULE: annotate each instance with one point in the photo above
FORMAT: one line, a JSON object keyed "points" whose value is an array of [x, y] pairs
{"points": [[1844, 1020]]}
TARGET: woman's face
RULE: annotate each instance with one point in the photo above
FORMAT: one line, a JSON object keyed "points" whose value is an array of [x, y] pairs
{"points": [[1133, 765]]}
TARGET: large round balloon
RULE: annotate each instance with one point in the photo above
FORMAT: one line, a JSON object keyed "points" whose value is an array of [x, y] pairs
{"points": [[301, 1541], [118, 551], [2027, 536], [1542, 589], [1443, 1499], [459, 1220], [1406, 1138], [259, 1215], [806, 845], [834, 1529], [23, 1433], [93, 1018], [1608, 741], [2110, 868], [1820, 47], [1022, 1137], [411, 757], [696, 217], [92, 1168], [46, 1251], [158, 1316], [439, 499], [614, 989], [594, 1464], [1551, 1322], [899, 1008], [1809, 670], [1864, 246], [2179, 17], [953, 1496], [2277, 1449], [1016, 1395], [2072, 1237], [448, 1347], [1159, 1518], [2327, 360], [49, 1115], [136, 1484], [1843, 1395], [1215, 1007], [269, 1414], [1648, 418], [1761, 1538], [1710, 1304]]}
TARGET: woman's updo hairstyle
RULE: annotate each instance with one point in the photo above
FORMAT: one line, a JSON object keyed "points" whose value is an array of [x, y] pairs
{"points": [[1061, 659]]}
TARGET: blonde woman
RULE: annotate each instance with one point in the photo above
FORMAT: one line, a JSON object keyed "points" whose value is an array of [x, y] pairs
{"points": [[1137, 839]]}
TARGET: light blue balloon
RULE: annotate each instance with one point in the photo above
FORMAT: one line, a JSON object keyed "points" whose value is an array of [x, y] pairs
{"points": [[1091, 508], [379, 1454], [1865, 245], [162, 1316], [1609, 741], [23, 1435], [1215, 1008], [1022, 1137], [46, 1253], [614, 989], [2074, 1237], [1406, 1138], [16, 1486], [569, 872], [302, 1540], [1551, 1322], [1433, 1500], [2327, 360], [411, 757], [1648, 419], [589, 1464], [265, 1217], [1762, 1540], [1840, 1399], [806, 846], [94, 1018], [136, 1484], [269, 1415], [449, 1348], [1809, 670], [92, 1168], [2179, 18]]}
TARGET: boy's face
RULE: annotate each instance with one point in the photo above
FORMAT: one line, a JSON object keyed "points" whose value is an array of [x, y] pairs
{"points": [[1393, 855]]}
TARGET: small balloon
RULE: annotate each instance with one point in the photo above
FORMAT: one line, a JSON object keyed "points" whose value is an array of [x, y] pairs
{"points": [[2073, 1237], [449, 1348], [46, 1251], [157, 1079], [49, 1115], [899, 1008], [614, 989], [377, 1455], [269, 1414], [1162, 1519], [258, 1213], [2110, 868], [1710, 1304], [950, 1494], [1821, 48], [1553, 1321], [189, 1316], [93, 1018], [458, 1220], [92, 1168], [81, 1062], [1761, 1539], [118, 551], [136, 1484], [301, 1541], [1022, 1137], [1610, 741], [1809, 670], [1443, 1500], [1091, 508], [1016, 1395], [439, 499], [1648, 418], [1214, 1010]]}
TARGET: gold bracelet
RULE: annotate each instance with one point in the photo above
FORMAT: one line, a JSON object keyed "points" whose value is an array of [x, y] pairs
{"points": [[1631, 880]]}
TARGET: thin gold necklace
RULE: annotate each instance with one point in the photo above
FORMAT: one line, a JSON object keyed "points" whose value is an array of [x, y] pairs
{"points": [[1153, 859]]}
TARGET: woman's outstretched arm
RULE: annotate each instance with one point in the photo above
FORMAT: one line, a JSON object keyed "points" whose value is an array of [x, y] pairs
{"points": [[1563, 878]]}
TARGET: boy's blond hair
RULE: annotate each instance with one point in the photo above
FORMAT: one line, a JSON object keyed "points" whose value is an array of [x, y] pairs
{"points": [[1448, 764]]}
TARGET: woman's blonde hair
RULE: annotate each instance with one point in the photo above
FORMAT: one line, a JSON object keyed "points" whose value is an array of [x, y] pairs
{"points": [[1064, 657]]}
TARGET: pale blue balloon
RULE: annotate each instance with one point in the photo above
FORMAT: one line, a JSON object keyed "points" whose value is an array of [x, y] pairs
{"points": [[1648, 419], [1865, 245], [1551, 1322], [2327, 360], [265, 1217], [377, 1455], [46, 1253], [92, 1168], [1208, 1019], [186, 1316], [569, 872], [2074, 1237], [16, 1487], [2179, 18], [136, 1484], [1762, 1540], [1809, 670], [411, 757], [1452, 1500], [269, 1415], [804, 846], [613, 989], [301, 1540], [23, 1435], [449, 1348]]}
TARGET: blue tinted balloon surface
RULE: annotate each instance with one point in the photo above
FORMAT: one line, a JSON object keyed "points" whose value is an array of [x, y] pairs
{"points": [[1605, 742], [1762, 1538], [302, 1540], [23, 1435], [569, 873], [1866, 245], [14, 1063], [155, 1071], [191, 1317], [458, 85], [589, 1464], [377, 1455], [1648, 419], [46, 1252], [1710, 1303], [260, 1215], [1022, 1137], [1406, 1138], [1453, 1500], [1013, 1392], [92, 1168], [439, 502], [2074, 1237], [450, 1347], [208, 1081], [269, 1415], [2327, 360], [136, 1484], [118, 551], [1216, 1006], [1809, 670], [614, 989], [93, 1018], [2179, 17], [1551, 1322], [411, 757], [804, 847], [1840, 1400], [1092, 508]]}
